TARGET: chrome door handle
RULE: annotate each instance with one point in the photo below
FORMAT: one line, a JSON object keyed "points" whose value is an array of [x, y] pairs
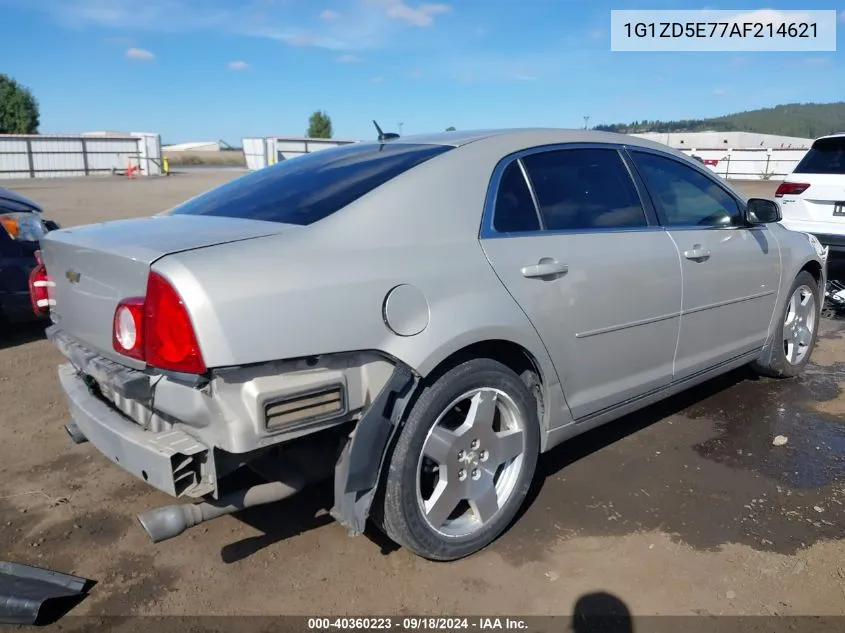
{"points": [[546, 267], [697, 253]]}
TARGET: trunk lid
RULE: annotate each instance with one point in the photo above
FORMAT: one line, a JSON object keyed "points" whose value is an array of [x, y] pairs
{"points": [[94, 267]]}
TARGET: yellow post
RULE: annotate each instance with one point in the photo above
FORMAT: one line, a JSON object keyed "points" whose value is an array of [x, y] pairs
{"points": [[165, 163]]}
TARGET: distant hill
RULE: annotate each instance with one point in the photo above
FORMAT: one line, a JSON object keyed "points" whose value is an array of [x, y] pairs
{"points": [[807, 120]]}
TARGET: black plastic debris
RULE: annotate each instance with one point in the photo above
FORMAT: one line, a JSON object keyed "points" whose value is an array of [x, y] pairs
{"points": [[29, 595]]}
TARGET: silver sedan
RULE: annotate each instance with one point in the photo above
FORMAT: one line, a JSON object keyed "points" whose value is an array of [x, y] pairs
{"points": [[418, 318]]}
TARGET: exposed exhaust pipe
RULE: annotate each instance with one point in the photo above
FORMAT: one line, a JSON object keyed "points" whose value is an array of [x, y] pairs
{"points": [[74, 433], [287, 473], [165, 523]]}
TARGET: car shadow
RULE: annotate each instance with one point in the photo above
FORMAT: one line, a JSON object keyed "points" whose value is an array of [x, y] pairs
{"points": [[282, 520], [15, 334], [584, 445], [309, 510]]}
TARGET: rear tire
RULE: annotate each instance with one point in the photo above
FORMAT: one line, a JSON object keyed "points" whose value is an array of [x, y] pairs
{"points": [[463, 462], [796, 331]]}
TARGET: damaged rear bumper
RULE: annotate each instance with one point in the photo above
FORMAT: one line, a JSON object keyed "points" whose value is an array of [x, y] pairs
{"points": [[171, 461], [119, 410]]}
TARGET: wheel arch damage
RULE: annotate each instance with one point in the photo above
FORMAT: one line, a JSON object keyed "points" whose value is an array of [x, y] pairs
{"points": [[359, 469]]}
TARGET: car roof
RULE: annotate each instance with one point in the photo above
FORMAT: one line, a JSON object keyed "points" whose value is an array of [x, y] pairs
{"points": [[8, 194], [530, 134], [516, 138]]}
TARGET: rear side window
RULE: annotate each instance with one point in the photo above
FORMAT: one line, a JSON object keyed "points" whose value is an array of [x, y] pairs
{"points": [[308, 188], [584, 189], [515, 211], [826, 156]]}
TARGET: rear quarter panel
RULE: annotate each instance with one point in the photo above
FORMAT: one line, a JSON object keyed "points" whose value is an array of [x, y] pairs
{"points": [[322, 289]]}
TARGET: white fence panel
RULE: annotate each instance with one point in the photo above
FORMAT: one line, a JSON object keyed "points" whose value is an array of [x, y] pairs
{"points": [[45, 156], [255, 153], [15, 158], [749, 164], [260, 152]]}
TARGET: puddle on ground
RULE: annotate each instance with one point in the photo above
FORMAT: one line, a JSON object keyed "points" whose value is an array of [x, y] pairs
{"points": [[702, 468], [752, 413]]}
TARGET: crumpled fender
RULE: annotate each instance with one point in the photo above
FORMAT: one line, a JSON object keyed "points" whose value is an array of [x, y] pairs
{"points": [[24, 590], [360, 464]]}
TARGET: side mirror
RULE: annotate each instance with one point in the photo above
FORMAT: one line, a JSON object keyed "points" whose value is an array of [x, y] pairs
{"points": [[762, 211]]}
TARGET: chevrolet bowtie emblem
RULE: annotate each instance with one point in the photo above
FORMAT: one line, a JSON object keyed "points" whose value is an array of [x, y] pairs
{"points": [[73, 276]]}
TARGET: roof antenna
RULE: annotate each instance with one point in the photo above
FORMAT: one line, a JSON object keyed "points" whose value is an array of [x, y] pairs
{"points": [[384, 136]]}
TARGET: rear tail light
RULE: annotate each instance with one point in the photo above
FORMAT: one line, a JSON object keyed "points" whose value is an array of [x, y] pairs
{"points": [[157, 329], [791, 189], [39, 287]]}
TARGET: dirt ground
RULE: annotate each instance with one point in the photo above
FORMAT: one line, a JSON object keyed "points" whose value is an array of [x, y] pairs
{"points": [[683, 508]]}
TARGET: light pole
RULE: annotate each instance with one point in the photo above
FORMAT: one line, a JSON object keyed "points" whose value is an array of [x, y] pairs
{"points": [[586, 121], [400, 128]]}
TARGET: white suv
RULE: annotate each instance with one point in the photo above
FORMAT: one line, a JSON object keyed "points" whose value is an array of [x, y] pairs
{"points": [[812, 197]]}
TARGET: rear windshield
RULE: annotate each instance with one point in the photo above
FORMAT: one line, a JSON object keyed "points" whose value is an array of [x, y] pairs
{"points": [[827, 156], [306, 189]]}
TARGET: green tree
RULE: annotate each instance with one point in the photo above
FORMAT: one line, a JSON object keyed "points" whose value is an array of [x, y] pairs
{"points": [[18, 108], [450, 128], [319, 125]]}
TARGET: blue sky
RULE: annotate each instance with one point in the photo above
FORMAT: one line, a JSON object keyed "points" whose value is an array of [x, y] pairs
{"points": [[225, 69]]}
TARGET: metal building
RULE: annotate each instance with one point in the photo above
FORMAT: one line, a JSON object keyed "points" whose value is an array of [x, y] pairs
{"points": [[196, 146], [724, 140]]}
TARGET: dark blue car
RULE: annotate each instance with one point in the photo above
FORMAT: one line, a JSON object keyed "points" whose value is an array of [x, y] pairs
{"points": [[21, 227]]}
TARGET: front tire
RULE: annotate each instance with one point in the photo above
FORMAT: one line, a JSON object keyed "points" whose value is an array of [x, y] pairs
{"points": [[795, 334], [463, 462]]}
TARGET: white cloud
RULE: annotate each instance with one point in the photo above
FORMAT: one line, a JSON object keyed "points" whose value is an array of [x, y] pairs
{"points": [[149, 15], [524, 76], [596, 35], [238, 66], [842, 16], [349, 59], [139, 54], [377, 80], [421, 15], [718, 92], [366, 25]]}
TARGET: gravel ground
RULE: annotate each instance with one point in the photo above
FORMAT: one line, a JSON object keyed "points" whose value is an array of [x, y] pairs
{"points": [[682, 508]]}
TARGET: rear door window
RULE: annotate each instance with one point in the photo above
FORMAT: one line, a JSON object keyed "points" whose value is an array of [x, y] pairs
{"points": [[308, 188], [826, 156], [584, 190]]}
